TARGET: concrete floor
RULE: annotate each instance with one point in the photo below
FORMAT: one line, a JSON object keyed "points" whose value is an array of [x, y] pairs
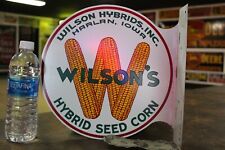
{"points": [[204, 116]]}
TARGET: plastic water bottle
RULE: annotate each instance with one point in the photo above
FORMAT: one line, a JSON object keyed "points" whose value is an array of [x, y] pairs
{"points": [[21, 115]]}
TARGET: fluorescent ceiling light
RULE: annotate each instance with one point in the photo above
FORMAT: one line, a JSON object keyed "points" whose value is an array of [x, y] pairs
{"points": [[29, 2]]}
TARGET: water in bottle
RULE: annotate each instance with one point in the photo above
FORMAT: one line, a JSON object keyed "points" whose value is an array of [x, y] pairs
{"points": [[21, 115]]}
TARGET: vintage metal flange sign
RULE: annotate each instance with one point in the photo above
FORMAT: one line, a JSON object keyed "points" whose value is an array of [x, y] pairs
{"points": [[109, 70]]}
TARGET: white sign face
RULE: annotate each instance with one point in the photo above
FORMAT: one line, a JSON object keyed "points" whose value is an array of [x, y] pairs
{"points": [[107, 70]]}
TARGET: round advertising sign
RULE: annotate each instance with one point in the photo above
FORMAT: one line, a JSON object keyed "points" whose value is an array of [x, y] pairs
{"points": [[106, 70]]}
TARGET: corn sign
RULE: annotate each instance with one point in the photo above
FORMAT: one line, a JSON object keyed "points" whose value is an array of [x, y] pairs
{"points": [[91, 95], [109, 70]]}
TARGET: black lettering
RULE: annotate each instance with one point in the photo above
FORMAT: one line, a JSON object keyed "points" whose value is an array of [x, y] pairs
{"points": [[88, 24], [81, 27], [115, 128], [91, 16], [102, 21], [110, 21], [69, 114], [153, 80], [64, 108], [59, 102], [135, 29], [82, 77], [141, 117], [96, 23], [68, 30], [155, 39], [75, 32], [139, 24], [106, 76], [77, 22], [138, 78], [84, 18], [82, 120], [99, 128], [90, 79], [71, 27], [123, 127], [147, 112], [153, 105], [143, 35], [75, 120], [133, 20], [116, 77], [109, 13], [123, 16], [86, 125], [128, 17], [146, 29], [134, 122], [102, 14], [127, 25], [107, 129], [62, 35], [116, 15], [150, 33], [66, 74]]}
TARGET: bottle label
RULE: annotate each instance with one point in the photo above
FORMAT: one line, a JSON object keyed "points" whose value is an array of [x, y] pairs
{"points": [[23, 87]]}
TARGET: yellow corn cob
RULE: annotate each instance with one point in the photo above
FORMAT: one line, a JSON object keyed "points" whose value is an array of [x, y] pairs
{"points": [[128, 92], [84, 90], [98, 67], [112, 62]]}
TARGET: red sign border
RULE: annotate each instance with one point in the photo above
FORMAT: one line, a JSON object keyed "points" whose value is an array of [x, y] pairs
{"points": [[100, 7]]}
